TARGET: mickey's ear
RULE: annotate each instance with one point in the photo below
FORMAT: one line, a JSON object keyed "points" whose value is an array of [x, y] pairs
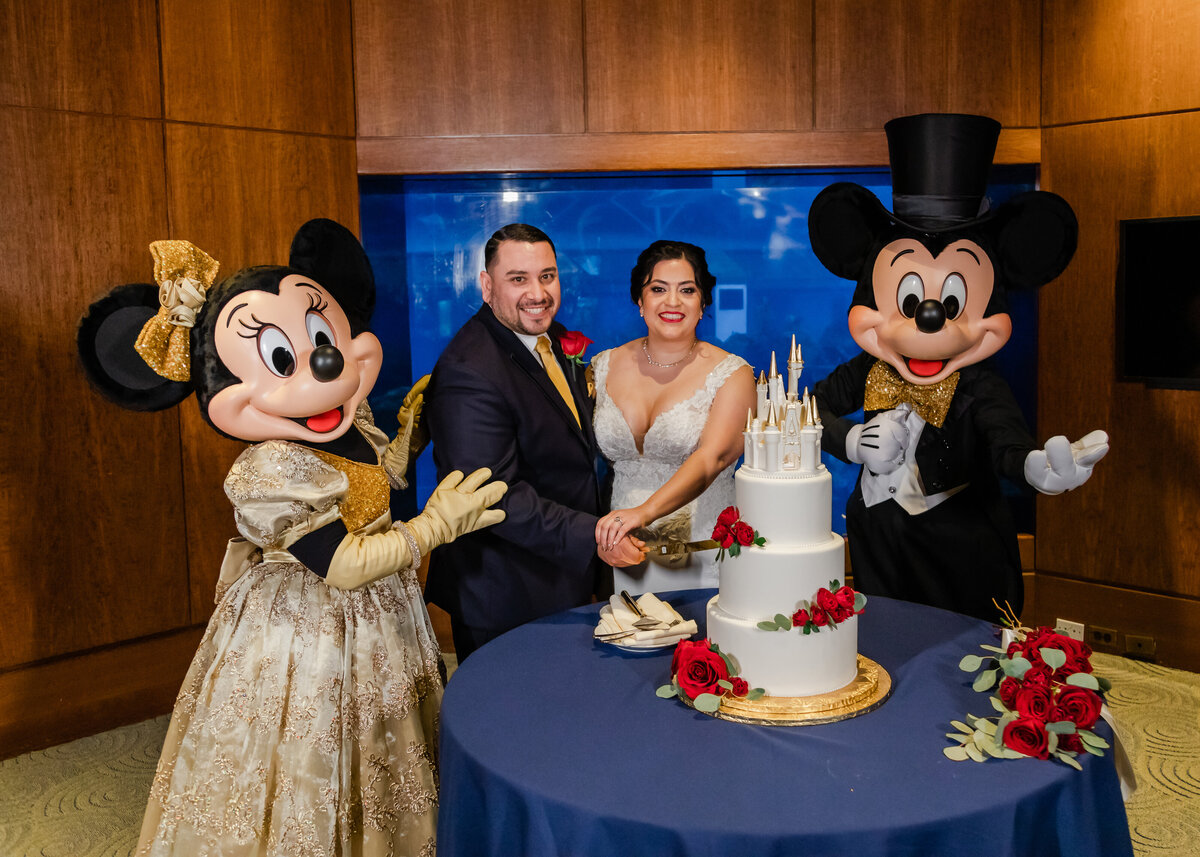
{"points": [[330, 254], [843, 222], [1035, 235], [105, 342]]}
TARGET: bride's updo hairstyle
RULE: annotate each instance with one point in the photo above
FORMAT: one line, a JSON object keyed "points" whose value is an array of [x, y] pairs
{"points": [[661, 251]]}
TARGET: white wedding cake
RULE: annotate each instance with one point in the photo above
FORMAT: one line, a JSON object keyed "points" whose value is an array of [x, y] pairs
{"points": [[783, 615]]}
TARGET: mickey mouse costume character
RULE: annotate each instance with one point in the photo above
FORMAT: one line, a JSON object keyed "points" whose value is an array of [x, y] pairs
{"points": [[927, 521], [308, 719]]}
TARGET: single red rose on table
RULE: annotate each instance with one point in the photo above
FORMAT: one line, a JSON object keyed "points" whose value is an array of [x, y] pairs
{"points": [[698, 668], [1028, 737], [573, 344], [1077, 704]]}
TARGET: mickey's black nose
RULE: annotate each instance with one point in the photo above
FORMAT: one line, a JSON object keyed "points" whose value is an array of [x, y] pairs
{"points": [[931, 315], [327, 362]]}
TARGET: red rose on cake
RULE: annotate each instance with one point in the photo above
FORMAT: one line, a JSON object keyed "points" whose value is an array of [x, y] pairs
{"points": [[800, 618], [698, 669], [729, 516], [743, 533]]}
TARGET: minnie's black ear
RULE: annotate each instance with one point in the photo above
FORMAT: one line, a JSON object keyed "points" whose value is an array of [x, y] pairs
{"points": [[105, 342], [1035, 235], [843, 223], [330, 254]]}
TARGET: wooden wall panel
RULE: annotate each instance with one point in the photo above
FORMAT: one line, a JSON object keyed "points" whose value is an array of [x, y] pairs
{"points": [[877, 59], [692, 65], [468, 67], [92, 547], [268, 64], [97, 56], [241, 196], [1134, 523], [1117, 58]]}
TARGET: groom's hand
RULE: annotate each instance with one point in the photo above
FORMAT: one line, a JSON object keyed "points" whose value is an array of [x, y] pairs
{"points": [[626, 552]]}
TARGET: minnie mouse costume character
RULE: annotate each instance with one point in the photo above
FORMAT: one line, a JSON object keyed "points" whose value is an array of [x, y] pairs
{"points": [[308, 719], [927, 521]]}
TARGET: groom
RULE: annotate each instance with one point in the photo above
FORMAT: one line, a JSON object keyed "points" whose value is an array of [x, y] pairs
{"points": [[499, 397]]}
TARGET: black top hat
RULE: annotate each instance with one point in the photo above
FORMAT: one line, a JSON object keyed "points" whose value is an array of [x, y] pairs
{"points": [[940, 166]]}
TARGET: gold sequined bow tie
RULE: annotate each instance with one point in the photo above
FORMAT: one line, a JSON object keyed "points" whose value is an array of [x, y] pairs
{"points": [[886, 389]]}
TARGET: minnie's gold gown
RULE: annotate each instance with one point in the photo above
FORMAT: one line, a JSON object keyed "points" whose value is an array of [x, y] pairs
{"points": [[307, 722]]}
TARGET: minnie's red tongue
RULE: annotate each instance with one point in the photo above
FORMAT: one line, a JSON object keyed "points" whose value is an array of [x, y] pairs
{"points": [[925, 368], [327, 421]]}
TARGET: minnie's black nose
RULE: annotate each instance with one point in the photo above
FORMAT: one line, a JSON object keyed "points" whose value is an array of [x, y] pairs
{"points": [[931, 315], [326, 363]]}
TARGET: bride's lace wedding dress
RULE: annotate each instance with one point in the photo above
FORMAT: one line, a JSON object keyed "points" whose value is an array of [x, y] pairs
{"points": [[671, 438]]}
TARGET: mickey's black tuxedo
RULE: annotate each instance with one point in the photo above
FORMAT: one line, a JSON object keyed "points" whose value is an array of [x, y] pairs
{"points": [[963, 552], [491, 404]]}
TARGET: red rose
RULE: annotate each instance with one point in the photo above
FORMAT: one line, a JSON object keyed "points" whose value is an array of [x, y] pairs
{"points": [[744, 533], [800, 618], [1039, 675], [1078, 658], [1028, 737], [1033, 701], [723, 535], [1077, 704], [820, 618], [680, 648], [1071, 742], [845, 596], [826, 600], [574, 343], [729, 516], [740, 687], [841, 613], [1008, 691], [698, 669]]}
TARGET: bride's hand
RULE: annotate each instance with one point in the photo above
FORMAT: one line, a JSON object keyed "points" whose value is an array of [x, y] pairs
{"points": [[616, 525]]}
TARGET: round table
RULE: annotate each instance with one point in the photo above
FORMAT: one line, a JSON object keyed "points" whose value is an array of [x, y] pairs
{"points": [[553, 744]]}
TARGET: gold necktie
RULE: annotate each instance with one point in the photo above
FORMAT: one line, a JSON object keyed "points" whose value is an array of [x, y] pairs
{"points": [[886, 389], [557, 378]]}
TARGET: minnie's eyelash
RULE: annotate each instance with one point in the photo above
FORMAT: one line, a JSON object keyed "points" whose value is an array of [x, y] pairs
{"points": [[254, 328], [316, 303]]}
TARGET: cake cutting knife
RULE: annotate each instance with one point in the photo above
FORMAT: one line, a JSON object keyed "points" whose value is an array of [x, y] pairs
{"points": [[671, 548]]}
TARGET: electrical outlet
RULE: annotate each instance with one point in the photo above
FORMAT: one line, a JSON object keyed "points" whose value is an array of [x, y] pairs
{"points": [[1140, 647], [1103, 639], [1067, 628]]}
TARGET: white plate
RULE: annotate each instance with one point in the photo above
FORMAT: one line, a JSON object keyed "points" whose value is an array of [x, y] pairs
{"points": [[644, 646]]}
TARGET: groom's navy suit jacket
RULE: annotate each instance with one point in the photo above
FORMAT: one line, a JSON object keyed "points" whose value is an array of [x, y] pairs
{"points": [[491, 404]]}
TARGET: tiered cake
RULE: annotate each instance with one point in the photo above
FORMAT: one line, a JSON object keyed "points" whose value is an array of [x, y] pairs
{"points": [[791, 510]]}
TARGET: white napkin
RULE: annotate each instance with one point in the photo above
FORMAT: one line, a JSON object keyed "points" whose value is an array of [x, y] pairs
{"points": [[615, 618]]}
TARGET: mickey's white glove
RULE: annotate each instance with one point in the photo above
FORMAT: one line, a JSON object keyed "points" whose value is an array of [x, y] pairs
{"points": [[412, 437], [457, 506], [881, 444], [1062, 465]]}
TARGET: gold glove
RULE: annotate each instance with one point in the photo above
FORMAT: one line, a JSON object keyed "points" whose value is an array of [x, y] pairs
{"points": [[411, 438], [457, 506]]}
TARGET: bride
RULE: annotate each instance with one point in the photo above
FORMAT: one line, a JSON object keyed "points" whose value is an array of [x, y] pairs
{"points": [[669, 415]]}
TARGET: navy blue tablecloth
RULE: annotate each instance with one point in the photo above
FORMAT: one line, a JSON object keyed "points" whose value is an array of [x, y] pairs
{"points": [[552, 744]]}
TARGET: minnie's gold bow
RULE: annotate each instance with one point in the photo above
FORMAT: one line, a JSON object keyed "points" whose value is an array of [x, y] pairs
{"points": [[184, 273], [886, 389]]}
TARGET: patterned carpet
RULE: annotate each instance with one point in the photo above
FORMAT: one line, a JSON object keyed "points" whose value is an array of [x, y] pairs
{"points": [[85, 798]]}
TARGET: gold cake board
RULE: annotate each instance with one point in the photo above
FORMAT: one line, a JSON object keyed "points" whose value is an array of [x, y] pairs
{"points": [[868, 691]]}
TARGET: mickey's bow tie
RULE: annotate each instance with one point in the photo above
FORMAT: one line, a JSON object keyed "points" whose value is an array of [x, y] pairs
{"points": [[886, 389]]}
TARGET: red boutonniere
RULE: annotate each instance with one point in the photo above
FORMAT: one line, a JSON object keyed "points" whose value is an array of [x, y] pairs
{"points": [[574, 344], [733, 534]]}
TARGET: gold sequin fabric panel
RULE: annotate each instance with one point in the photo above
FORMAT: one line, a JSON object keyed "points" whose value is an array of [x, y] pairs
{"points": [[307, 724], [368, 495]]}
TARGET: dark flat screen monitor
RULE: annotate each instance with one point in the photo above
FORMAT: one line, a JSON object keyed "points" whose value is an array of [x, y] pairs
{"points": [[1158, 302]]}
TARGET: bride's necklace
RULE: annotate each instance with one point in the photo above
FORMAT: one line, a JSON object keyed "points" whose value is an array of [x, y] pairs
{"points": [[654, 362]]}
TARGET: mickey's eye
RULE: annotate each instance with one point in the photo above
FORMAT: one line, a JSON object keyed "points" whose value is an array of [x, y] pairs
{"points": [[276, 351], [909, 294], [954, 295], [319, 330]]}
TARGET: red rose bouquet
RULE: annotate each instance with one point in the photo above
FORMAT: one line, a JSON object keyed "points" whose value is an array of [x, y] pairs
{"points": [[702, 674], [732, 533], [1046, 697], [574, 344]]}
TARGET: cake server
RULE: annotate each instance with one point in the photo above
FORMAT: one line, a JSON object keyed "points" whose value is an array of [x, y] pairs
{"points": [[644, 622], [678, 548]]}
